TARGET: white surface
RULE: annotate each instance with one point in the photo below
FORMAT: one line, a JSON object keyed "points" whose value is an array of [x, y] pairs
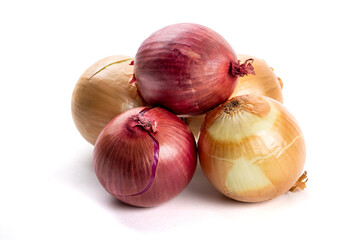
{"points": [[48, 187]]}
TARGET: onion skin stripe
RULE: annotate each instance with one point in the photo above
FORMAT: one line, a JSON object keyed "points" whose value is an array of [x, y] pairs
{"points": [[142, 112], [153, 169], [154, 163]]}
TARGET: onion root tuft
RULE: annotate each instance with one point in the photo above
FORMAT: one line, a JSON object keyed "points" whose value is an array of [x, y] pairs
{"points": [[300, 184]]}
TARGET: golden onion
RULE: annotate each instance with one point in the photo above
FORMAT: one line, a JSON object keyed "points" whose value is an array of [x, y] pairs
{"points": [[264, 83], [251, 149], [103, 92]]}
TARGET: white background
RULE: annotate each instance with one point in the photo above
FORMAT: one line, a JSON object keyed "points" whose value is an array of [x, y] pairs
{"points": [[48, 189]]}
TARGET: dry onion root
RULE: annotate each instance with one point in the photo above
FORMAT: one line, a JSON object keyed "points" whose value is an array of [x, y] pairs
{"points": [[251, 149], [102, 92], [264, 83], [300, 184]]}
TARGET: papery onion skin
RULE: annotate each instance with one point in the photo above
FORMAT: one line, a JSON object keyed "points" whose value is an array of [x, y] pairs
{"points": [[251, 148], [102, 92], [124, 157], [264, 83], [183, 67]]}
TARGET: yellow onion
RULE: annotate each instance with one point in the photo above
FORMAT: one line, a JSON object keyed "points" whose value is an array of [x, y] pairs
{"points": [[251, 149], [264, 83], [103, 92]]}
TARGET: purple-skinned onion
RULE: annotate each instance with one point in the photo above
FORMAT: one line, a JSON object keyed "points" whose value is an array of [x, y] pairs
{"points": [[187, 68], [145, 156]]}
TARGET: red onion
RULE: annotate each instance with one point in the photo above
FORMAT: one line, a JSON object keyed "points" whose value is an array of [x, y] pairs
{"points": [[145, 156], [187, 68]]}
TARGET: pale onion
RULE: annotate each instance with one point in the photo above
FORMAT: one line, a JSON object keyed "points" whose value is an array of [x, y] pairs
{"points": [[102, 92], [251, 148], [264, 83]]}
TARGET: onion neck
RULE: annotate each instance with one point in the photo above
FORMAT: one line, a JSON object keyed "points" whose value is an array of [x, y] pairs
{"points": [[242, 69], [145, 122], [234, 105], [248, 103]]}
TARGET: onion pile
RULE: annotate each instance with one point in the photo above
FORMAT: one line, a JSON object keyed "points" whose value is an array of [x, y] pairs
{"points": [[142, 115]]}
